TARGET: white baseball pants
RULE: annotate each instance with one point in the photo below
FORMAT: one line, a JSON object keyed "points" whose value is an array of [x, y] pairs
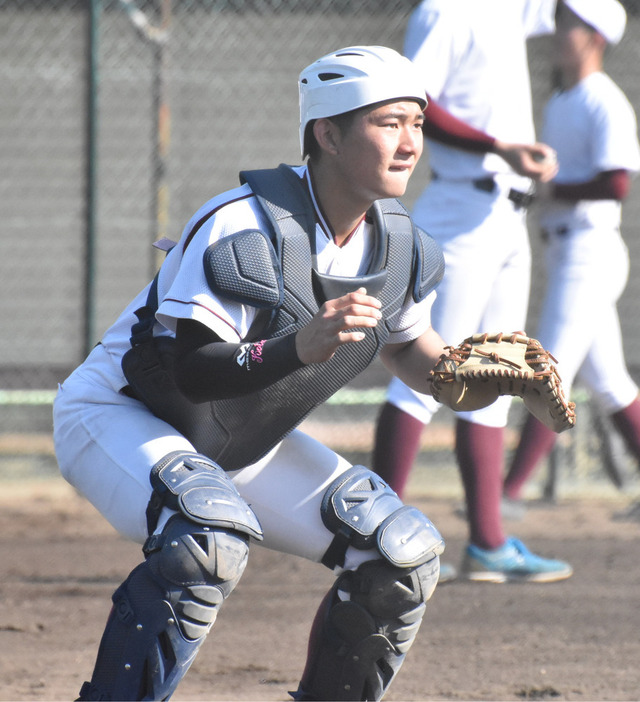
{"points": [[106, 444]]}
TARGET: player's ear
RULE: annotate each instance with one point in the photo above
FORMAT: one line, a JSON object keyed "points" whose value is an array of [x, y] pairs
{"points": [[599, 41], [327, 135]]}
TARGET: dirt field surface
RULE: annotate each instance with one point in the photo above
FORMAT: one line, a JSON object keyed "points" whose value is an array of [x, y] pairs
{"points": [[574, 640]]}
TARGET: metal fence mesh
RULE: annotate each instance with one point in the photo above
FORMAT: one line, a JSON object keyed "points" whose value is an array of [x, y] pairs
{"points": [[120, 118]]}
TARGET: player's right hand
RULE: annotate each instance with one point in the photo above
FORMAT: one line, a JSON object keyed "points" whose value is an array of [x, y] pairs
{"points": [[536, 161], [334, 324]]}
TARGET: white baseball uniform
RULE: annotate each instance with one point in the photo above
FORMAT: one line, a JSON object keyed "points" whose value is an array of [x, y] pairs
{"points": [[592, 127], [473, 58], [106, 442]]}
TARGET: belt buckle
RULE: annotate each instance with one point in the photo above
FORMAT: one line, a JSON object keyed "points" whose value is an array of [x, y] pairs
{"points": [[520, 200]]}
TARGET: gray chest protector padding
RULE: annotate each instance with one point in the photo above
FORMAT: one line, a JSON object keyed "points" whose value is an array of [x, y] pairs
{"points": [[275, 272]]}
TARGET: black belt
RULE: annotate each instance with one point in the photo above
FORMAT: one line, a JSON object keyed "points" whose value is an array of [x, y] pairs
{"points": [[489, 185], [519, 199]]}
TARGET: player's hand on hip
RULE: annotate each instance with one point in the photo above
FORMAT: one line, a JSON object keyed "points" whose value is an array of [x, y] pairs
{"points": [[336, 323], [537, 161]]}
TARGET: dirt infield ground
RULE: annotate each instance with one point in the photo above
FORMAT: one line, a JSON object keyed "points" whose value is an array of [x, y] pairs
{"points": [[576, 640]]}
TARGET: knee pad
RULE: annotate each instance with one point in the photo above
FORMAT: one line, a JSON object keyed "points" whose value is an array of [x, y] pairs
{"points": [[363, 630], [196, 486], [364, 512]]}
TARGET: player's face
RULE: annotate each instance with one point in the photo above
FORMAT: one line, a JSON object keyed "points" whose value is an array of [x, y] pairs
{"points": [[379, 151], [574, 40]]}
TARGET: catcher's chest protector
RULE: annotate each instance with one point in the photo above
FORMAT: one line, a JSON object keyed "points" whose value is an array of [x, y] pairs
{"points": [[237, 432]]}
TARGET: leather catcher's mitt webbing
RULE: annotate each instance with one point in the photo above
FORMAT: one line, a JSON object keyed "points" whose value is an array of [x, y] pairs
{"points": [[483, 367]]}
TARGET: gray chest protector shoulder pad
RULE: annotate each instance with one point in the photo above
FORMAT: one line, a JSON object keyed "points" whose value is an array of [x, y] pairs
{"points": [[246, 266], [428, 267]]}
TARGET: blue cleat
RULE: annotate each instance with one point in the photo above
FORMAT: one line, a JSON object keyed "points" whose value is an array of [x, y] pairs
{"points": [[448, 573], [512, 562]]}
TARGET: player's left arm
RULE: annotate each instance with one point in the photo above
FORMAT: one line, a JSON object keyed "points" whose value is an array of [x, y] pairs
{"points": [[411, 361], [607, 185]]}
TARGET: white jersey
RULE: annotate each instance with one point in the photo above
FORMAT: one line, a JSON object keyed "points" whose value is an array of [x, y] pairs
{"points": [[183, 291], [472, 54], [595, 112]]}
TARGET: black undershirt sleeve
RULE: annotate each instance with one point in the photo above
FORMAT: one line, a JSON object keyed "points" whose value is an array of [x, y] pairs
{"points": [[208, 368]]}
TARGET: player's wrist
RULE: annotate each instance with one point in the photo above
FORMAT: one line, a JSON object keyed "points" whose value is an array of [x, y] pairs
{"points": [[502, 148]]}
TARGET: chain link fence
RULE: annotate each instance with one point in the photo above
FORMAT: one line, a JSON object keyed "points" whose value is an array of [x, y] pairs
{"points": [[120, 118]]}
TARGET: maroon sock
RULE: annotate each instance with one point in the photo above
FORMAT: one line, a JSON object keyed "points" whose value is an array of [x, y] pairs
{"points": [[627, 422], [397, 440], [536, 443], [480, 453]]}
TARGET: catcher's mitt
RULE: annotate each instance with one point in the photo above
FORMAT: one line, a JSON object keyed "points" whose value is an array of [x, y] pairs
{"points": [[485, 366]]}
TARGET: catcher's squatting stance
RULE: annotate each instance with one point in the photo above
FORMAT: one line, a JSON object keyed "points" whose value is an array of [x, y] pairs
{"points": [[180, 426]]}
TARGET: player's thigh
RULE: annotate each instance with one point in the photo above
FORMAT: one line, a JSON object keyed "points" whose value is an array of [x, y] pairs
{"points": [[463, 293], [508, 298], [487, 277], [443, 211], [417, 404], [579, 301], [285, 490], [106, 445], [565, 327], [604, 370]]}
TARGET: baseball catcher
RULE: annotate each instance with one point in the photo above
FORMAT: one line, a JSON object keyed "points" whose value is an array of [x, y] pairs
{"points": [[182, 425], [483, 367]]}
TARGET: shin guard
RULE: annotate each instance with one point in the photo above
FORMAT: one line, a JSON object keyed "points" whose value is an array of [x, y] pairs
{"points": [[163, 611], [363, 630]]}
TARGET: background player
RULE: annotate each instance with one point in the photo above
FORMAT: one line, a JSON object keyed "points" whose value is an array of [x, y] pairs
{"points": [[483, 155], [260, 351], [592, 127]]}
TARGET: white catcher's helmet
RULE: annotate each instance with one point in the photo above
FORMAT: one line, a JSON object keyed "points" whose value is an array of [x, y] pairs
{"points": [[355, 77]]}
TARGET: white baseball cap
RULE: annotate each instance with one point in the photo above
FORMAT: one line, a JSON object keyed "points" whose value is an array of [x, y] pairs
{"points": [[355, 77], [607, 17]]}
